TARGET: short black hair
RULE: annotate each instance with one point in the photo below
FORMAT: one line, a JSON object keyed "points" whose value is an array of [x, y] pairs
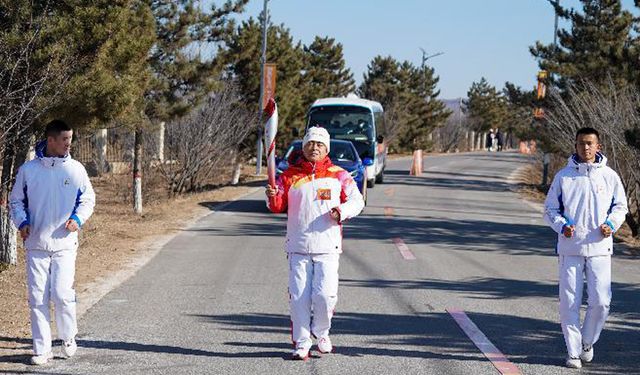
{"points": [[55, 127], [587, 131]]}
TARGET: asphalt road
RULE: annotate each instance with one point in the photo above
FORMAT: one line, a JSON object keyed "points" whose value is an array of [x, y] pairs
{"points": [[214, 300]]}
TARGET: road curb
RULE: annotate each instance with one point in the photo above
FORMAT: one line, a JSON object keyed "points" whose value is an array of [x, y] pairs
{"points": [[513, 181]]}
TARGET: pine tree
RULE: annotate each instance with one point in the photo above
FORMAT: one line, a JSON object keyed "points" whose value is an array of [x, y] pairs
{"points": [[182, 76], [326, 73], [595, 46], [381, 82], [104, 70], [427, 111], [242, 64], [485, 106], [408, 94], [519, 112]]}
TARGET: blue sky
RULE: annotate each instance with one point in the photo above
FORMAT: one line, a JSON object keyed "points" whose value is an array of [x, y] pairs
{"points": [[479, 38]]}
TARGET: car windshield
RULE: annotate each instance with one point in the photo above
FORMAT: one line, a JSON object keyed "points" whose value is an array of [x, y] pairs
{"points": [[344, 121], [339, 151]]}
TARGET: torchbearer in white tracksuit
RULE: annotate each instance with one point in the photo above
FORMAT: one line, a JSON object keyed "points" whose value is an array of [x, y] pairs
{"points": [[586, 203], [51, 198], [318, 197]]}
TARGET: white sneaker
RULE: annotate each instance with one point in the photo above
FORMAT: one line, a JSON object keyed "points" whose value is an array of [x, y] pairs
{"points": [[587, 354], [301, 352], [324, 345], [573, 362], [41, 359], [69, 348]]}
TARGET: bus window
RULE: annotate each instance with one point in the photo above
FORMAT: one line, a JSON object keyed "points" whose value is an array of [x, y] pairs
{"points": [[380, 125], [344, 122]]}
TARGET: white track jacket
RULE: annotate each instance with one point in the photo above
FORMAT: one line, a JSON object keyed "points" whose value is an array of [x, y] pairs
{"points": [[47, 192], [587, 196], [307, 192]]}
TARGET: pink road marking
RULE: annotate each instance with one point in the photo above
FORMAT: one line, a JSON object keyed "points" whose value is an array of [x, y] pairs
{"points": [[404, 249], [389, 192], [501, 363], [388, 211]]}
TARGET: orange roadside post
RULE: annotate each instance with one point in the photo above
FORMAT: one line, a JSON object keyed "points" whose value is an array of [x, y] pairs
{"points": [[416, 163]]}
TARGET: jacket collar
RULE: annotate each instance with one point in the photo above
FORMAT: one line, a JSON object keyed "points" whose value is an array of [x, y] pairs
{"points": [[301, 165], [49, 161], [575, 163]]}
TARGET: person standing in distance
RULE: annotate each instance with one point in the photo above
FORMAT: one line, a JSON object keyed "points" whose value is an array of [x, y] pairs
{"points": [[585, 205], [50, 201], [318, 197]]}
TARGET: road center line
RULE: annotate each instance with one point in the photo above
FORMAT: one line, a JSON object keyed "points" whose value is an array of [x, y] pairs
{"points": [[388, 211], [501, 363], [404, 249]]}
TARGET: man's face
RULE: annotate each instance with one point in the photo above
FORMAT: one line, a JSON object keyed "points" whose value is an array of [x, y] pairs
{"points": [[587, 146], [59, 145], [314, 151]]}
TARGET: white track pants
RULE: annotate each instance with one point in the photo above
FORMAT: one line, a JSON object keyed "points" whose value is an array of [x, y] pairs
{"points": [[50, 276], [571, 279], [313, 291]]}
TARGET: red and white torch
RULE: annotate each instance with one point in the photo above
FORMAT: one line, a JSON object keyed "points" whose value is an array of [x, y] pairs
{"points": [[270, 131]]}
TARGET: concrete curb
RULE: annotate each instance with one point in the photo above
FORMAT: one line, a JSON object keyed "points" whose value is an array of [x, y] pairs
{"points": [[514, 181]]}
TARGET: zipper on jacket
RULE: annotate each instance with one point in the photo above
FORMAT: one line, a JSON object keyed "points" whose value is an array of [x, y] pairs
{"points": [[589, 208]]}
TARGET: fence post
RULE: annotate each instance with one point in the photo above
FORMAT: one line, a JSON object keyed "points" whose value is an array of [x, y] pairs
{"points": [[160, 150], [101, 150]]}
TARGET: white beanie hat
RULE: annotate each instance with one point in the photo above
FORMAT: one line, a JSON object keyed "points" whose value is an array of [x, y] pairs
{"points": [[317, 134]]}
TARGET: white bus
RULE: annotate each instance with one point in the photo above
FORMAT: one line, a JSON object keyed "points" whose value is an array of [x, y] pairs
{"points": [[359, 121]]}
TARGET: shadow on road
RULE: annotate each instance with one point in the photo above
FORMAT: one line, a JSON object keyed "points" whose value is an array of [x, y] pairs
{"points": [[373, 331]]}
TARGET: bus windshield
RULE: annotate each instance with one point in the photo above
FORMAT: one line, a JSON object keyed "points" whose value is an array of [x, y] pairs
{"points": [[344, 122]]}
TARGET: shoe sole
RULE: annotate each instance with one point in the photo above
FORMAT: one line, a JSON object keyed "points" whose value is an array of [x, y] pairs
{"points": [[333, 350], [296, 357]]}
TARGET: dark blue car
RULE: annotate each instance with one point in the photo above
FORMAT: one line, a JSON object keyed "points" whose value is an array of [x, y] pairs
{"points": [[342, 154]]}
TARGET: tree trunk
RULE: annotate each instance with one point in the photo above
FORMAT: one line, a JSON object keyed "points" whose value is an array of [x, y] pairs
{"points": [[137, 172], [15, 153], [634, 225], [237, 168], [8, 241]]}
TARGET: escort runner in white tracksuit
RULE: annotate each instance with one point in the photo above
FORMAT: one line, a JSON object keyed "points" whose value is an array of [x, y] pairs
{"points": [[318, 197], [50, 191], [585, 204]]}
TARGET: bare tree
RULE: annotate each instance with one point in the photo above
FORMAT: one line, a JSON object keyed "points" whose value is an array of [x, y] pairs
{"points": [[612, 111], [454, 135], [207, 139]]}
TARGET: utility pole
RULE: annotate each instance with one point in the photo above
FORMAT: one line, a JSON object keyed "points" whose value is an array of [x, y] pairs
{"points": [[263, 60], [545, 157], [423, 66]]}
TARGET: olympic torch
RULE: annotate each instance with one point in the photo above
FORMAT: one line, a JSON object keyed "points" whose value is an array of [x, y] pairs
{"points": [[270, 130]]}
